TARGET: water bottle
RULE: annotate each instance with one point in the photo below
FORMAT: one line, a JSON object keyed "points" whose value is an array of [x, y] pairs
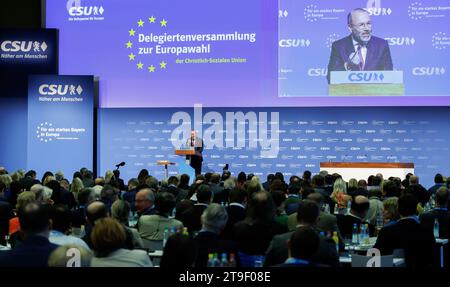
{"points": [[258, 261], [436, 228], [355, 234], [210, 260], [224, 260], [366, 234], [232, 261], [327, 208], [362, 233], [216, 261], [336, 241], [166, 236]]}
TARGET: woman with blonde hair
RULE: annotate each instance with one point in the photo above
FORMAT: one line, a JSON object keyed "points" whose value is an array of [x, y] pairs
{"points": [[76, 186], [340, 196], [109, 175]]}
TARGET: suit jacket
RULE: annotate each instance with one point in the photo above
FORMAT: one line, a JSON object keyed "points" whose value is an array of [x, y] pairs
{"points": [[443, 216], [346, 222], [254, 239], [198, 147], [151, 227], [277, 252], [123, 258], [236, 213], [208, 242], [191, 218], [378, 56], [33, 252], [327, 222], [407, 234]]}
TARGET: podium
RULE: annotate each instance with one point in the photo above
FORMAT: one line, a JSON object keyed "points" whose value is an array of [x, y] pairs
{"points": [[362, 170], [366, 83], [184, 152]]}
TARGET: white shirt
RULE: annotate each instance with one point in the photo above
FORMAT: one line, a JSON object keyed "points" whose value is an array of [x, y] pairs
{"points": [[60, 238]]}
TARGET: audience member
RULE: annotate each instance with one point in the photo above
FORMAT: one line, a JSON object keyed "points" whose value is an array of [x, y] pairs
{"points": [[108, 240]]}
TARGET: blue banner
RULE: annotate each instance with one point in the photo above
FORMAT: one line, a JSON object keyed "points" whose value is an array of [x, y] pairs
{"points": [[60, 123], [267, 140]]}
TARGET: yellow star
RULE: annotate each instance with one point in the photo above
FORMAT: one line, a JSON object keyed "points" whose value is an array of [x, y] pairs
{"points": [[131, 32], [163, 23], [163, 65], [139, 65], [151, 68], [152, 19], [129, 44], [131, 56], [140, 23]]}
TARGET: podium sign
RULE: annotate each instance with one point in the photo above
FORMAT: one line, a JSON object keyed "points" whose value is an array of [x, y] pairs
{"points": [[369, 83]]}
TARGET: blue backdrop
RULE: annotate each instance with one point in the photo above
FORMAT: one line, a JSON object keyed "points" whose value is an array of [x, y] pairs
{"points": [[300, 138], [60, 123]]}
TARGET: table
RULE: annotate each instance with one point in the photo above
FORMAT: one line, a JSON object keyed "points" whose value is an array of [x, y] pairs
{"points": [[348, 260], [165, 163]]}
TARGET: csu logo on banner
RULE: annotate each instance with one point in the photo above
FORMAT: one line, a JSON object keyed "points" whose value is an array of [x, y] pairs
{"points": [[61, 90], [317, 72], [366, 77], [23, 46], [84, 13], [400, 41], [379, 11], [294, 43], [428, 71]]}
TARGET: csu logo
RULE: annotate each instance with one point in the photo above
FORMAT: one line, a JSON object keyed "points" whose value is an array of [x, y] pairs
{"points": [[379, 11], [62, 90], [428, 71], [75, 9], [23, 46], [400, 41], [366, 77], [317, 72], [294, 43]]}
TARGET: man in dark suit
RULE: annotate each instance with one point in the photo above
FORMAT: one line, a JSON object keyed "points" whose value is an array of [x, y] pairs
{"points": [[360, 51], [438, 183], [218, 192], [259, 227], [36, 249], [236, 211], [417, 241], [191, 217], [360, 207], [195, 160], [440, 213], [213, 219], [307, 216], [29, 180], [303, 246], [416, 189]]}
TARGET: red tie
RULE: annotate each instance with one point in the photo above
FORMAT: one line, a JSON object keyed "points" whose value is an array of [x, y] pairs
{"points": [[361, 59]]}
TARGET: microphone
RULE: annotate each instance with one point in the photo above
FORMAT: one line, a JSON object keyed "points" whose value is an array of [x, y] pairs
{"points": [[120, 164]]}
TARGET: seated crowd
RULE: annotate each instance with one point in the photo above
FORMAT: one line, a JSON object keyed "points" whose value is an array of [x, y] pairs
{"points": [[219, 220]]}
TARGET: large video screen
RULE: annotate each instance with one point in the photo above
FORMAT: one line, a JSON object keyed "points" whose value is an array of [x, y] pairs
{"points": [[258, 53]]}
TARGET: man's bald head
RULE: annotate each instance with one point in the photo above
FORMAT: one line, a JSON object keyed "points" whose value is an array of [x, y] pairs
{"points": [[96, 210], [144, 199], [316, 197]]}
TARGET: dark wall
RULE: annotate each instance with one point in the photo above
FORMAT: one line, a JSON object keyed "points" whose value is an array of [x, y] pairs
{"points": [[21, 14]]}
